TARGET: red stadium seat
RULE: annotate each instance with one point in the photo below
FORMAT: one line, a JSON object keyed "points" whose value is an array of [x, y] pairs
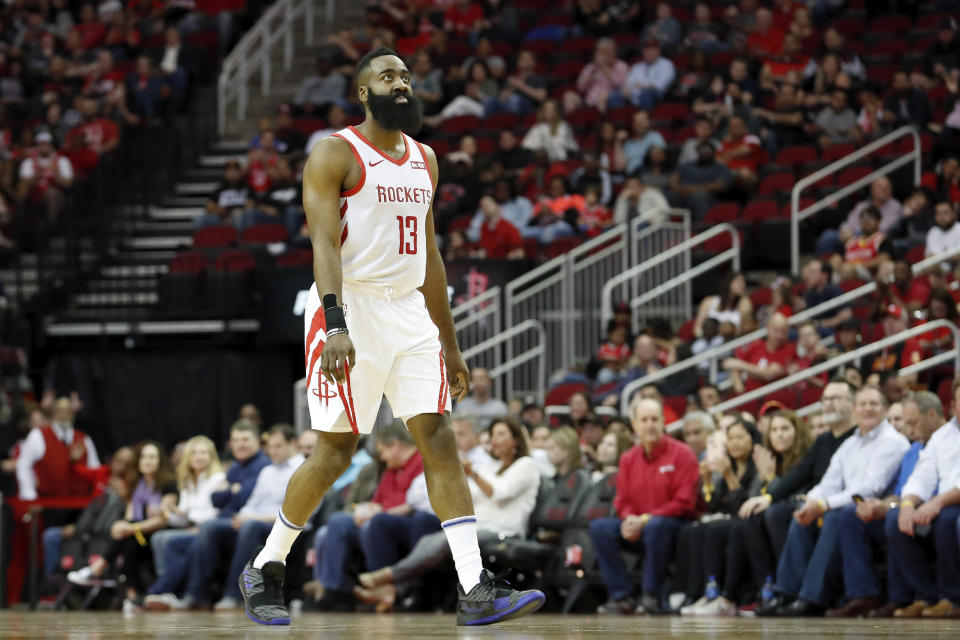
{"points": [[776, 184], [797, 154], [810, 395], [836, 151], [761, 297], [851, 175], [561, 246], [677, 403], [560, 394], [235, 261], [265, 234], [930, 21], [723, 212], [307, 126], [499, 121], [849, 27], [531, 248], [295, 258], [761, 210], [786, 211], [464, 125], [540, 48], [945, 395], [889, 24], [216, 236], [583, 117], [567, 69], [460, 223], [685, 332], [721, 242], [916, 254], [189, 262], [671, 111], [882, 73], [580, 45]]}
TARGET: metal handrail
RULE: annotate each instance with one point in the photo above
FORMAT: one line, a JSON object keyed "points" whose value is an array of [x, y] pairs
{"points": [[797, 215], [488, 301], [715, 352], [538, 351], [833, 363], [606, 296], [255, 50]]}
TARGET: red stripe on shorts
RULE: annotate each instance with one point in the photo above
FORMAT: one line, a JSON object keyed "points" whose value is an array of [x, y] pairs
{"points": [[319, 323], [348, 400], [442, 402]]}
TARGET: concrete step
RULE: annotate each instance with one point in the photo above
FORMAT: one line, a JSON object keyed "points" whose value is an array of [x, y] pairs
{"points": [[159, 243], [146, 257], [122, 285], [182, 214], [195, 188], [121, 271], [184, 201], [114, 299]]}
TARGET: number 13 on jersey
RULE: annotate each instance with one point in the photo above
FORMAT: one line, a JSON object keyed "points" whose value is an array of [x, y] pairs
{"points": [[408, 234]]}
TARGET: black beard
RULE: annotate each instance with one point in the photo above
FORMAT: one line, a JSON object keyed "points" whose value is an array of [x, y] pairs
{"points": [[394, 116]]}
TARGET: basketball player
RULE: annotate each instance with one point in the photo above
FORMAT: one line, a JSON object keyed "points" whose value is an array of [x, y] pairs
{"points": [[378, 323]]}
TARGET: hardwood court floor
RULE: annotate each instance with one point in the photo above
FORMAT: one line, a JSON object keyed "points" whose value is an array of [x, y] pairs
{"points": [[207, 626]]}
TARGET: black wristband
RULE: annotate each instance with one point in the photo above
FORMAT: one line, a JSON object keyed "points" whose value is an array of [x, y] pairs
{"points": [[333, 313]]}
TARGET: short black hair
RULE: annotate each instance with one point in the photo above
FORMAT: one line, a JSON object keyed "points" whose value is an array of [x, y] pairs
{"points": [[873, 212], [841, 380], [367, 59], [286, 430]]}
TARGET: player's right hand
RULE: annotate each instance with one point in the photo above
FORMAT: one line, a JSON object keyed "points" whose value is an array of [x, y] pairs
{"points": [[337, 353]]}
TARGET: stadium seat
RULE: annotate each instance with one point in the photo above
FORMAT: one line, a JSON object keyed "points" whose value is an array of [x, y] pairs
{"points": [[583, 117], [916, 254], [761, 210], [945, 395], [677, 403], [189, 262], [500, 121], [567, 69], [836, 151], [214, 237], [795, 155], [761, 297], [230, 290], [235, 261], [561, 246], [889, 24], [560, 394], [852, 174], [460, 223], [723, 212], [463, 125], [685, 332], [776, 184], [295, 258], [265, 234], [676, 111]]}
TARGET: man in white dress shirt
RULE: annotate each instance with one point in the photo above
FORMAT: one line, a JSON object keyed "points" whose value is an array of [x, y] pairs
{"points": [[43, 466], [945, 234], [930, 499], [864, 465]]}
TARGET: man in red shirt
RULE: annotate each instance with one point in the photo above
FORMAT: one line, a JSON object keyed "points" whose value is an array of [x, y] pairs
{"points": [[657, 489], [404, 463], [763, 360], [90, 139], [741, 151], [498, 238], [766, 40], [462, 18]]}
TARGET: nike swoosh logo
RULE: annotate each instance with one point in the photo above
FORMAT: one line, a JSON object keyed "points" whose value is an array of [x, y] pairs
{"points": [[373, 164]]}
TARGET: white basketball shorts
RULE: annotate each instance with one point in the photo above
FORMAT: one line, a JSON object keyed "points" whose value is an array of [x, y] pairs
{"points": [[398, 355]]}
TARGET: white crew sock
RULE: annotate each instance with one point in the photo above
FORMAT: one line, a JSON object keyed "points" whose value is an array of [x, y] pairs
{"points": [[277, 546], [462, 537]]}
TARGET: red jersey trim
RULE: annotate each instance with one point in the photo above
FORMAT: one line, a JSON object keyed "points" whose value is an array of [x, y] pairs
{"points": [[363, 169], [401, 161]]}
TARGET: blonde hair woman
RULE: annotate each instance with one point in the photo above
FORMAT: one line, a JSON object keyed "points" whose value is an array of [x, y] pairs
{"points": [[563, 447]]}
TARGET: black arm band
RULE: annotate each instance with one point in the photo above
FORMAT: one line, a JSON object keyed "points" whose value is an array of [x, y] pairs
{"points": [[333, 313]]}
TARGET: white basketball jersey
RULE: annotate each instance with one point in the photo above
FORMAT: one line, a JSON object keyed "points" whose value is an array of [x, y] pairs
{"points": [[383, 218]]}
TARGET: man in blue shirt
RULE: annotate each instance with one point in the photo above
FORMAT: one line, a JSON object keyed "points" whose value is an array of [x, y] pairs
{"points": [[819, 289], [696, 186], [862, 524]]}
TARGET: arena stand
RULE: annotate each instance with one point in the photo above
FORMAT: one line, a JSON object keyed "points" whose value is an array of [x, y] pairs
{"points": [[125, 265]]}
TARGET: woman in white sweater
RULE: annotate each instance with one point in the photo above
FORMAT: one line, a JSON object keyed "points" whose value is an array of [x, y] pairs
{"points": [[198, 474], [504, 494]]}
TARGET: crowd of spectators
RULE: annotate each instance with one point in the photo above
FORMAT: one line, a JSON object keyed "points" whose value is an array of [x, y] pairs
{"points": [[691, 106]]}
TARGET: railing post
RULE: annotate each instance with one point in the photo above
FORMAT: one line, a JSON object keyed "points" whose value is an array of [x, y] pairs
{"points": [[918, 152], [265, 73], [287, 36], [308, 19], [795, 232]]}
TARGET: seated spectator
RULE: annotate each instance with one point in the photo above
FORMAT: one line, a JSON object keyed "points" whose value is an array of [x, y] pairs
{"points": [[702, 133], [96, 519], [863, 524], [611, 448], [696, 186], [480, 89], [262, 163], [336, 120], [510, 154], [564, 453], [227, 205], [656, 493], [906, 105], [697, 427], [819, 289], [765, 40], [730, 305], [99, 135], [783, 124], [835, 123], [593, 174], [945, 234], [498, 237], [652, 392], [881, 198], [525, 90], [705, 33], [943, 56], [763, 360], [665, 29], [45, 175], [466, 431], [176, 63], [809, 353], [708, 396], [709, 338], [148, 91], [896, 356], [788, 63], [230, 496], [644, 359], [600, 82], [655, 171], [248, 528], [515, 209], [945, 181], [918, 219], [556, 212], [638, 200], [327, 87], [864, 465], [650, 78], [426, 82], [279, 204], [288, 138], [43, 466], [595, 218], [865, 251], [835, 44], [480, 404], [551, 134], [917, 587], [198, 474], [152, 490], [895, 417], [728, 478], [940, 307], [504, 494]]}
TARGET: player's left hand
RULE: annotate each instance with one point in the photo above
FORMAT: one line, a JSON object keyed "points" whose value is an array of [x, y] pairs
{"points": [[458, 376]]}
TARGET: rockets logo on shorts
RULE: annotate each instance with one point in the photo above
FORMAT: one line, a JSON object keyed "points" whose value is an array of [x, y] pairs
{"points": [[325, 392]]}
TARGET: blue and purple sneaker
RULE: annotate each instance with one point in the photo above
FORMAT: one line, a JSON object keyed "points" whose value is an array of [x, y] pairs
{"points": [[262, 591], [494, 601]]}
